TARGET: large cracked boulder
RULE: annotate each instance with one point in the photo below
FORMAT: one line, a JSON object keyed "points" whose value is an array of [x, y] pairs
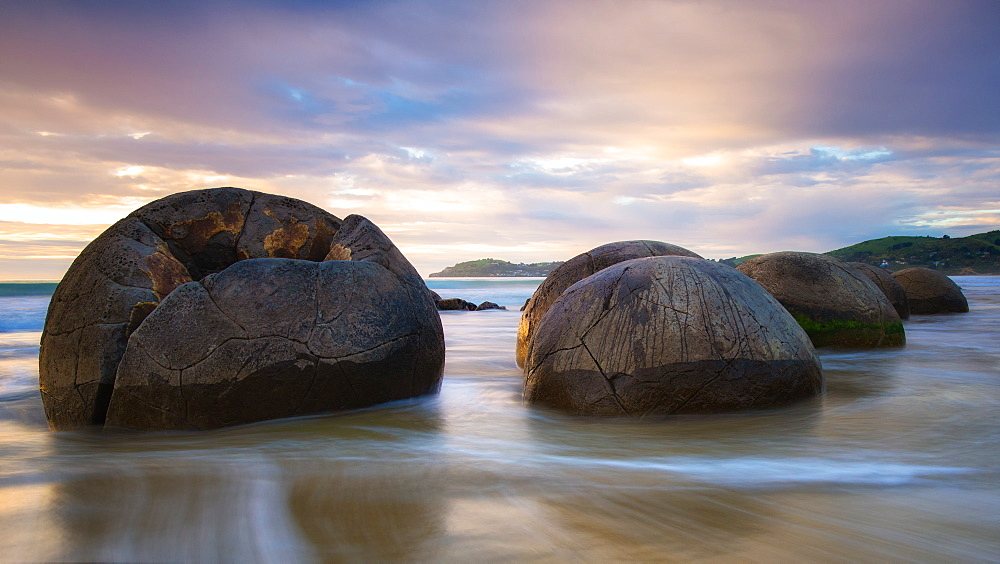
{"points": [[889, 286], [929, 291], [835, 303], [578, 268], [668, 335], [129, 274]]}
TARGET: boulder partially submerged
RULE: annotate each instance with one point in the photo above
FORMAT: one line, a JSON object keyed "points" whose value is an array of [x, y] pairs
{"points": [[887, 283], [830, 299], [929, 291], [186, 244], [578, 268], [666, 335]]}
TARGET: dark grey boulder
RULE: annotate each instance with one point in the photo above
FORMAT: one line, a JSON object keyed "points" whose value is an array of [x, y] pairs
{"points": [[489, 305], [271, 338], [668, 335], [122, 278], [835, 303], [929, 291], [889, 286], [578, 268], [455, 304]]}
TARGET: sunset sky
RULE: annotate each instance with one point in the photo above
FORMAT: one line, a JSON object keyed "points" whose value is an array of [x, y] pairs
{"points": [[526, 131]]}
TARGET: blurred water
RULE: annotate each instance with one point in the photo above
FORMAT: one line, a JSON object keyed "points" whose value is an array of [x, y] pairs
{"points": [[898, 461]]}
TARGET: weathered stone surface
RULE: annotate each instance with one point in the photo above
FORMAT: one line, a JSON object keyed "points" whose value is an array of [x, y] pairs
{"points": [[489, 305], [89, 315], [266, 338], [665, 335], [578, 268], [834, 303], [455, 304], [362, 240], [929, 291], [121, 279], [889, 286]]}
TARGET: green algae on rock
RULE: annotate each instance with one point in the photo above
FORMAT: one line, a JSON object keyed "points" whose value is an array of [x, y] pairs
{"points": [[835, 303]]}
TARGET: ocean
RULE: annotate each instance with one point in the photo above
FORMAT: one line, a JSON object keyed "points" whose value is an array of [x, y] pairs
{"points": [[899, 460]]}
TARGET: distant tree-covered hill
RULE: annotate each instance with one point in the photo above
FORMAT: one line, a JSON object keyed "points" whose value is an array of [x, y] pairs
{"points": [[973, 254], [496, 267]]}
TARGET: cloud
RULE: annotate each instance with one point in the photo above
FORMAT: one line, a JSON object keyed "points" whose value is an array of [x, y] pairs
{"points": [[536, 130]]}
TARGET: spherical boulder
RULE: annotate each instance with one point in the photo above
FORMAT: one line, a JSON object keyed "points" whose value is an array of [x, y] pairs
{"points": [[668, 335], [888, 285], [831, 300], [929, 291], [126, 275], [271, 338], [578, 268]]}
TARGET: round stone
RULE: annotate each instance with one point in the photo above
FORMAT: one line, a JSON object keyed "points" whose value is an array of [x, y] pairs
{"points": [[831, 300], [668, 335], [578, 268]]}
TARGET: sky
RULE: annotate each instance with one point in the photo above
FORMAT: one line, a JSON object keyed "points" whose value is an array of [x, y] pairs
{"points": [[525, 131]]}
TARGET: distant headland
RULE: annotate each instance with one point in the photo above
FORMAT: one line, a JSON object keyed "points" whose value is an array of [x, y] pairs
{"points": [[495, 267], [975, 254]]}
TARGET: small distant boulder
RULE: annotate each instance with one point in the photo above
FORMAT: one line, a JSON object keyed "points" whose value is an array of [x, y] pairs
{"points": [[668, 335], [929, 291], [835, 303], [578, 268], [455, 304], [458, 304], [889, 286]]}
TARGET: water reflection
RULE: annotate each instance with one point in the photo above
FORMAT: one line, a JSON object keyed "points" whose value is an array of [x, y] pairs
{"points": [[896, 462]]}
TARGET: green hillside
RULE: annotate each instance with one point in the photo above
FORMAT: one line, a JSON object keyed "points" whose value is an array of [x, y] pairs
{"points": [[496, 267], [973, 254]]}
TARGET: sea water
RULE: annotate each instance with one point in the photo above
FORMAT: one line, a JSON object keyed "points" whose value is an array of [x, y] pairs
{"points": [[899, 460]]}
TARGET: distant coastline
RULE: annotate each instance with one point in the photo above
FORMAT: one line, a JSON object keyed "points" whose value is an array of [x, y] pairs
{"points": [[490, 268], [960, 256]]}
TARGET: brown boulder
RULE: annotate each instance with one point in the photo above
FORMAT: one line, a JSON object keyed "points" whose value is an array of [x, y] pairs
{"points": [[578, 268], [124, 275], [835, 303], [929, 291], [665, 335], [889, 286]]}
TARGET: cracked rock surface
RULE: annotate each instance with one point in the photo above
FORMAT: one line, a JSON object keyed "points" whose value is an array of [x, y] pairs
{"points": [[668, 335], [271, 338], [578, 268], [889, 286], [835, 303], [159, 264], [929, 291]]}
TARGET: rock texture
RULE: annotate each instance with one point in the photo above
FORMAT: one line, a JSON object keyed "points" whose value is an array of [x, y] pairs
{"points": [[929, 291], [889, 286], [455, 304], [125, 275], [578, 268], [270, 338], [834, 303], [665, 335]]}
